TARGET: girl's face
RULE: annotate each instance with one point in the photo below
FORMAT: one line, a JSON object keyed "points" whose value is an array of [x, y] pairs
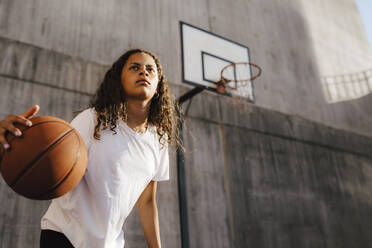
{"points": [[139, 77]]}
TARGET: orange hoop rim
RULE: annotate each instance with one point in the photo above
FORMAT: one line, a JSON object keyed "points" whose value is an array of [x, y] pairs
{"points": [[225, 80]]}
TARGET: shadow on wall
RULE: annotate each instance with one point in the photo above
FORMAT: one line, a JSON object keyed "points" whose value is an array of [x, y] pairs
{"points": [[347, 87]]}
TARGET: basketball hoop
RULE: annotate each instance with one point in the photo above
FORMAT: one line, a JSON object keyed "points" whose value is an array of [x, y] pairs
{"points": [[236, 80], [236, 75]]}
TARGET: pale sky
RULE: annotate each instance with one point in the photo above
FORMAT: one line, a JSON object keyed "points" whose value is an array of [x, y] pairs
{"points": [[365, 9]]}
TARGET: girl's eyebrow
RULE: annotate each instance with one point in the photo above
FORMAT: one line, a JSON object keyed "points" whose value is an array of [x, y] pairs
{"points": [[136, 63]]}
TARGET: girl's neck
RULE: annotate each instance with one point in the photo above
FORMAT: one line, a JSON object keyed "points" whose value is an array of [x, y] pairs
{"points": [[137, 115]]}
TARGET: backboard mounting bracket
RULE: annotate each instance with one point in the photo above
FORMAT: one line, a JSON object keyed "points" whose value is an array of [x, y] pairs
{"points": [[189, 94]]}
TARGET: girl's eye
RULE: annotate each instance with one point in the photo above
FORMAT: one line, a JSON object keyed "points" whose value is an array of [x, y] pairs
{"points": [[135, 67]]}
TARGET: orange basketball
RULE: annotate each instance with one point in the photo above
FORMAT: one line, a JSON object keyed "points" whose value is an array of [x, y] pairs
{"points": [[47, 161]]}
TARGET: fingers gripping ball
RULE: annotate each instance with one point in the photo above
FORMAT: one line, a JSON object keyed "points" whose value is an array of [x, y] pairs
{"points": [[47, 161]]}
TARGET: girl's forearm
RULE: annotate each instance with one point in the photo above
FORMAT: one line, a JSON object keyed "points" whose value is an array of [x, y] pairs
{"points": [[150, 223]]}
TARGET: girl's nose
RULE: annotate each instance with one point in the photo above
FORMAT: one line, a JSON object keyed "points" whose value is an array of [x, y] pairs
{"points": [[143, 71]]}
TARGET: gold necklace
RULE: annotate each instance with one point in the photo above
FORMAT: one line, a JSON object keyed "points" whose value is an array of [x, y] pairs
{"points": [[141, 129]]}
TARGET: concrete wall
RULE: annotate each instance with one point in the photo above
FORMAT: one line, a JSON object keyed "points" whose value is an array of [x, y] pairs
{"points": [[266, 179], [295, 42], [278, 176]]}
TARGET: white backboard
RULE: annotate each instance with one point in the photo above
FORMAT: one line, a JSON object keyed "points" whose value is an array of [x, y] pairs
{"points": [[205, 54]]}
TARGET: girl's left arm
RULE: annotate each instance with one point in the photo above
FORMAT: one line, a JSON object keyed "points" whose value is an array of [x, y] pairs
{"points": [[148, 213]]}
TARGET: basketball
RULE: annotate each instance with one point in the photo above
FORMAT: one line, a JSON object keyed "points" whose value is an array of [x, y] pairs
{"points": [[47, 161]]}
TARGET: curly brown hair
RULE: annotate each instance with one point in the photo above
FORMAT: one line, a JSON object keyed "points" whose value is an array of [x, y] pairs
{"points": [[109, 102]]}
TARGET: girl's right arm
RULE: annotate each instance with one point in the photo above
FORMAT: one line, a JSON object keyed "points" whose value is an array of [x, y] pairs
{"points": [[6, 125]]}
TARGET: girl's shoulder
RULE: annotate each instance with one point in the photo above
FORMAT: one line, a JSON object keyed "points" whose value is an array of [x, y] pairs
{"points": [[84, 123], [163, 141], [85, 117], [85, 113]]}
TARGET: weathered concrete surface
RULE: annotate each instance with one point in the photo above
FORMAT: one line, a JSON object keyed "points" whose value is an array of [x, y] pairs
{"points": [[274, 180], [338, 36], [290, 194], [31, 75], [206, 197], [295, 42]]}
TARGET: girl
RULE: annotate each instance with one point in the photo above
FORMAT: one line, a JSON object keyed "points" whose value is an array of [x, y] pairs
{"points": [[127, 129]]}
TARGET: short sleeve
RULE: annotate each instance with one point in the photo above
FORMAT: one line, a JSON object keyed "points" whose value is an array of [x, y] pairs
{"points": [[162, 171], [84, 124]]}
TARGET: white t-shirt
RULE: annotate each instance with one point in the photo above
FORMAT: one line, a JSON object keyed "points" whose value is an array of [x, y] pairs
{"points": [[119, 168]]}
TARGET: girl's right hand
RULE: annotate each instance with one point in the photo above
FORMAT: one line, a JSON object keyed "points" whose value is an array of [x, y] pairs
{"points": [[7, 124]]}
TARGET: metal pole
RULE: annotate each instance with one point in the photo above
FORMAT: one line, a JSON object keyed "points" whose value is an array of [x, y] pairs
{"points": [[181, 174], [182, 192]]}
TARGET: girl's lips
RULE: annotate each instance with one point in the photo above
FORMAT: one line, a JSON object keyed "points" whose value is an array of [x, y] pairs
{"points": [[143, 81]]}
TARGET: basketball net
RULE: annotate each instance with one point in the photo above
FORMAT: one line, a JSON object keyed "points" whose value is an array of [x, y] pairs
{"points": [[237, 80]]}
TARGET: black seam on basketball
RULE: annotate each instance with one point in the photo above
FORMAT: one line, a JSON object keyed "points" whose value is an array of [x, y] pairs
{"points": [[29, 166], [41, 196], [24, 130]]}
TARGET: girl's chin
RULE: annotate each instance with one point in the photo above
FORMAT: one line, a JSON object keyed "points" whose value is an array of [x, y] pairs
{"points": [[142, 95]]}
